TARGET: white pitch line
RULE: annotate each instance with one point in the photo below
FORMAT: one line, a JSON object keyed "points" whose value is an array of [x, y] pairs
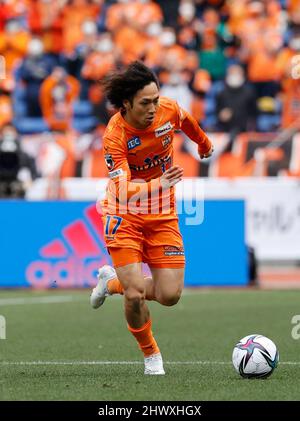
{"points": [[107, 362], [30, 363], [49, 299], [53, 299]]}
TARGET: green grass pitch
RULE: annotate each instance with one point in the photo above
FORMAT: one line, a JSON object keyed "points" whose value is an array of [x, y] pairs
{"points": [[68, 351]]}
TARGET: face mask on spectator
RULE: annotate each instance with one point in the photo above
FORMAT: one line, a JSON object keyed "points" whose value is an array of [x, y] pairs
{"points": [[167, 39], [104, 46], [154, 29], [35, 47], [175, 79], [89, 27], [187, 11], [58, 93], [59, 73], [12, 27], [295, 44], [235, 81], [8, 143]]}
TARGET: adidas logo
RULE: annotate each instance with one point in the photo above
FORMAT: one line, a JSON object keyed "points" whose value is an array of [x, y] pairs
{"points": [[73, 260]]}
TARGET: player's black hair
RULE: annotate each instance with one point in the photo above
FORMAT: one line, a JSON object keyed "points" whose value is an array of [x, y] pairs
{"points": [[123, 85]]}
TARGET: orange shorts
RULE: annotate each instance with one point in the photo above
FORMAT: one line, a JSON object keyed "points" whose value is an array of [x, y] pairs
{"points": [[152, 239]]}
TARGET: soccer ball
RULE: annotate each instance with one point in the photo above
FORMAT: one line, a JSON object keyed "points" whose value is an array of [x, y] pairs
{"points": [[255, 356]]}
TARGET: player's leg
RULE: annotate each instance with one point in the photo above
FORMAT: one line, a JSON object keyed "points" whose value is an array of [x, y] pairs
{"points": [[167, 284], [131, 278], [163, 251], [125, 238], [138, 316], [109, 284]]}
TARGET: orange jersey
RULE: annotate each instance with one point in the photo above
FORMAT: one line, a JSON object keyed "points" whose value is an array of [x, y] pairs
{"points": [[145, 154]]}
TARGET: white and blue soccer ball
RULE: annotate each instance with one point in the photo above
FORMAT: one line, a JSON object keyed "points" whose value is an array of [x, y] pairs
{"points": [[255, 356]]}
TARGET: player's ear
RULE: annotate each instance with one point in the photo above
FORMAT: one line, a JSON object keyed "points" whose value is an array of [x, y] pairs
{"points": [[126, 104]]}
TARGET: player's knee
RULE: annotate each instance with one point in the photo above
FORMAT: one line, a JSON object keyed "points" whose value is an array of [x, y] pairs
{"points": [[134, 297], [170, 299]]}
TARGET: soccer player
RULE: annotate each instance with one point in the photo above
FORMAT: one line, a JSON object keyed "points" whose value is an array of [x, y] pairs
{"points": [[140, 220]]}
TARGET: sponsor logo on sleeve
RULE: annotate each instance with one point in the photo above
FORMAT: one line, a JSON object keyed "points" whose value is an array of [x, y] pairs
{"points": [[109, 162], [133, 142], [165, 128], [116, 173]]}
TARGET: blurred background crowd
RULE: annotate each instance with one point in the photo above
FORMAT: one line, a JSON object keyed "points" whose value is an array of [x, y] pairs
{"points": [[231, 63]]}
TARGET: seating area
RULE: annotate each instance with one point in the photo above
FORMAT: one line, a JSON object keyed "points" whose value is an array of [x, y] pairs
{"points": [[231, 64]]}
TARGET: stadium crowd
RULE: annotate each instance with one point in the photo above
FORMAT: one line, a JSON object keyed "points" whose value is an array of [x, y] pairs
{"points": [[227, 62]]}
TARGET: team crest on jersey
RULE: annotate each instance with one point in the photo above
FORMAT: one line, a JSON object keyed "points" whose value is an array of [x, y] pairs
{"points": [[166, 141], [165, 128], [133, 142], [109, 161]]}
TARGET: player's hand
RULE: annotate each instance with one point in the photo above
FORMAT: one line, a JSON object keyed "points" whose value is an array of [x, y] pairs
{"points": [[225, 115], [171, 177], [207, 154]]}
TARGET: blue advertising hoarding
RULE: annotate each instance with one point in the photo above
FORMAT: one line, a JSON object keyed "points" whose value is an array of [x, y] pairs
{"points": [[61, 245]]}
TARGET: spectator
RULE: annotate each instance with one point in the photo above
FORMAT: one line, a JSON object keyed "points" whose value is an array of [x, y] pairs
{"points": [[74, 15], [211, 53], [74, 61], [172, 56], [101, 59], [57, 95], [6, 111], [13, 44], [177, 88], [201, 85], [291, 104], [236, 106], [98, 63], [33, 71], [12, 9], [45, 21], [17, 169], [266, 66], [170, 11]]}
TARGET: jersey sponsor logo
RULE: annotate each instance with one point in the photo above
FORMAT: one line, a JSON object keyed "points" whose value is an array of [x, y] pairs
{"points": [[167, 127], [166, 141], [173, 251], [133, 142], [116, 173], [109, 161], [150, 158], [150, 162]]}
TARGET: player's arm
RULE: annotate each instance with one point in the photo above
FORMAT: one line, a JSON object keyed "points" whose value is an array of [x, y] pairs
{"points": [[120, 174], [191, 128]]}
